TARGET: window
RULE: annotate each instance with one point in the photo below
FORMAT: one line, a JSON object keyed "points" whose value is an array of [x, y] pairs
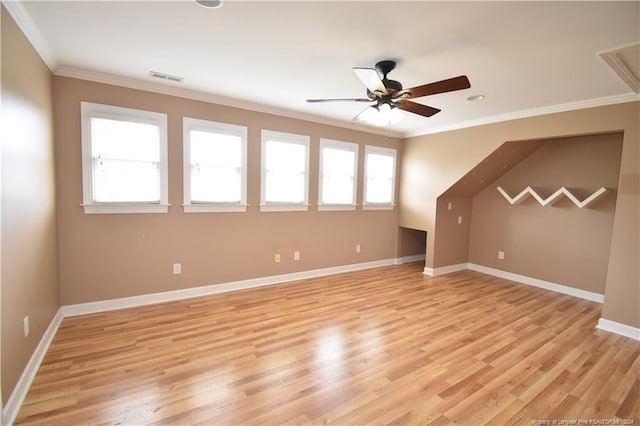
{"points": [[124, 160], [215, 166], [379, 177], [285, 172], [338, 171]]}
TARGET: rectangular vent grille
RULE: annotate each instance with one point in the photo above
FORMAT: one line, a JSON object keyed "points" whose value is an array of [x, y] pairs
{"points": [[626, 63], [164, 76]]}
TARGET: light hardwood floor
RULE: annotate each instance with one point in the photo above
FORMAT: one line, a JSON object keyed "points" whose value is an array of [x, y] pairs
{"points": [[382, 346]]}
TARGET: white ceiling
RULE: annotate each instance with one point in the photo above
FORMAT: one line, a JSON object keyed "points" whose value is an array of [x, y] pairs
{"points": [[527, 58]]}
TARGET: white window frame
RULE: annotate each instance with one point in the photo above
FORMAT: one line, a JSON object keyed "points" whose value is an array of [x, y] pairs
{"points": [[369, 149], [345, 146], [189, 205], [89, 110], [304, 140]]}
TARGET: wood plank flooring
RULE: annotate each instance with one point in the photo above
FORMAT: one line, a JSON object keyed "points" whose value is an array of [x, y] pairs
{"points": [[382, 346]]}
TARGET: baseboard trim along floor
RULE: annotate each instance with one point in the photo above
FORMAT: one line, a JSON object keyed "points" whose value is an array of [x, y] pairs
{"points": [[16, 398], [523, 279]]}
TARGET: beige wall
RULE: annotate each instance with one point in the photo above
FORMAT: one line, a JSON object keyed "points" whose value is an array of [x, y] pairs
{"points": [[108, 256], [560, 243], [111, 256], [433, 163], [29, 241]]}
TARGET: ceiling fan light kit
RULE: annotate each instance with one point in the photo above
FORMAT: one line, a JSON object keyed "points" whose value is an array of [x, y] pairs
{"points": [[380, 115], [389, 96]]}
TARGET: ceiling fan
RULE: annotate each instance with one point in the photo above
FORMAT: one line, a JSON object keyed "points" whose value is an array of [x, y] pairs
{"points": [[388, 95]]}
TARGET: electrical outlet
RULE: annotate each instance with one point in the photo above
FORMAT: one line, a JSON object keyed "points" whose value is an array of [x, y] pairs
{"points": [[450, 205], [501, 255], [25, 325], [277, 258], [177, 268], [296, 255], [358, 248], [459, 220]]}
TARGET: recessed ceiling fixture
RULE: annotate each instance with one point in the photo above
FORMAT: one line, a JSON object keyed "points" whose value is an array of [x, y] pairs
{"points": [[164, 76], [210, 4], [475, 98]]}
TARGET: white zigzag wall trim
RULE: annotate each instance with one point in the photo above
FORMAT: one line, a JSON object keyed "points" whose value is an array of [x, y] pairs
{"points": [[553, 198]]}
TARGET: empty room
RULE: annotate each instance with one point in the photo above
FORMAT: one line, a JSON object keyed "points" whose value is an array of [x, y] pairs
{"points": [[303, 212]]}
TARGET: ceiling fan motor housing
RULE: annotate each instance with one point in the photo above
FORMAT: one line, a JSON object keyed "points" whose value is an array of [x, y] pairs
{"points": [[392, 85], [384, 68]]}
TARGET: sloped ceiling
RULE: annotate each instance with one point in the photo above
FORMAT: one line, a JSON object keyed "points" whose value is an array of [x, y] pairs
{"points": [[503, 159]]}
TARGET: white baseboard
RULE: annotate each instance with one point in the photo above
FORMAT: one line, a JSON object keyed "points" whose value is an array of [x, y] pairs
{"points": [[619, 328], [10, 411], [411, 259], [445, 269], [559, 288], [603, 324], [168, 296]]}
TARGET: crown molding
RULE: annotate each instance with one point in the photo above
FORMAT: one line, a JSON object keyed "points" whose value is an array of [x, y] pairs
{"points": [[173, 90], [22, 18], [551, 109]]}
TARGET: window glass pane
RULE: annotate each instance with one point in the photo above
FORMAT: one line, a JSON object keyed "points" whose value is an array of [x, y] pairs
{"points": [[380, 166], [337, 190], [285, 187], [124, 140], [215, 149], [337, 161], [285, 165], [215, 184], [125, 181], [126, 159], [216, 165], [379, 179], [378, 190], [285, 157], [337, 176]]}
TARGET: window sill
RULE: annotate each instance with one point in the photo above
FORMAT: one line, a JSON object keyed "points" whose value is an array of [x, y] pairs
{"points": [[284, 207], [214, 208], [125, 208], [336, 207], [378, 206]]}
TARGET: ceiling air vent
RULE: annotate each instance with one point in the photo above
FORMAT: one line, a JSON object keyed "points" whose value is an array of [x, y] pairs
{"points": [[164, 76], [625, 61]]}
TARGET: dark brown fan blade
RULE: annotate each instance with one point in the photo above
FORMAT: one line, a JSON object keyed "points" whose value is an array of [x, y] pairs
{"points": [[416, 108], [449, 85], [370, 78], [340, 100]]}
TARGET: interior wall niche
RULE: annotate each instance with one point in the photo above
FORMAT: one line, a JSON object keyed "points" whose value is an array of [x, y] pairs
{"points": [[412, 242], [559, 242]]}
